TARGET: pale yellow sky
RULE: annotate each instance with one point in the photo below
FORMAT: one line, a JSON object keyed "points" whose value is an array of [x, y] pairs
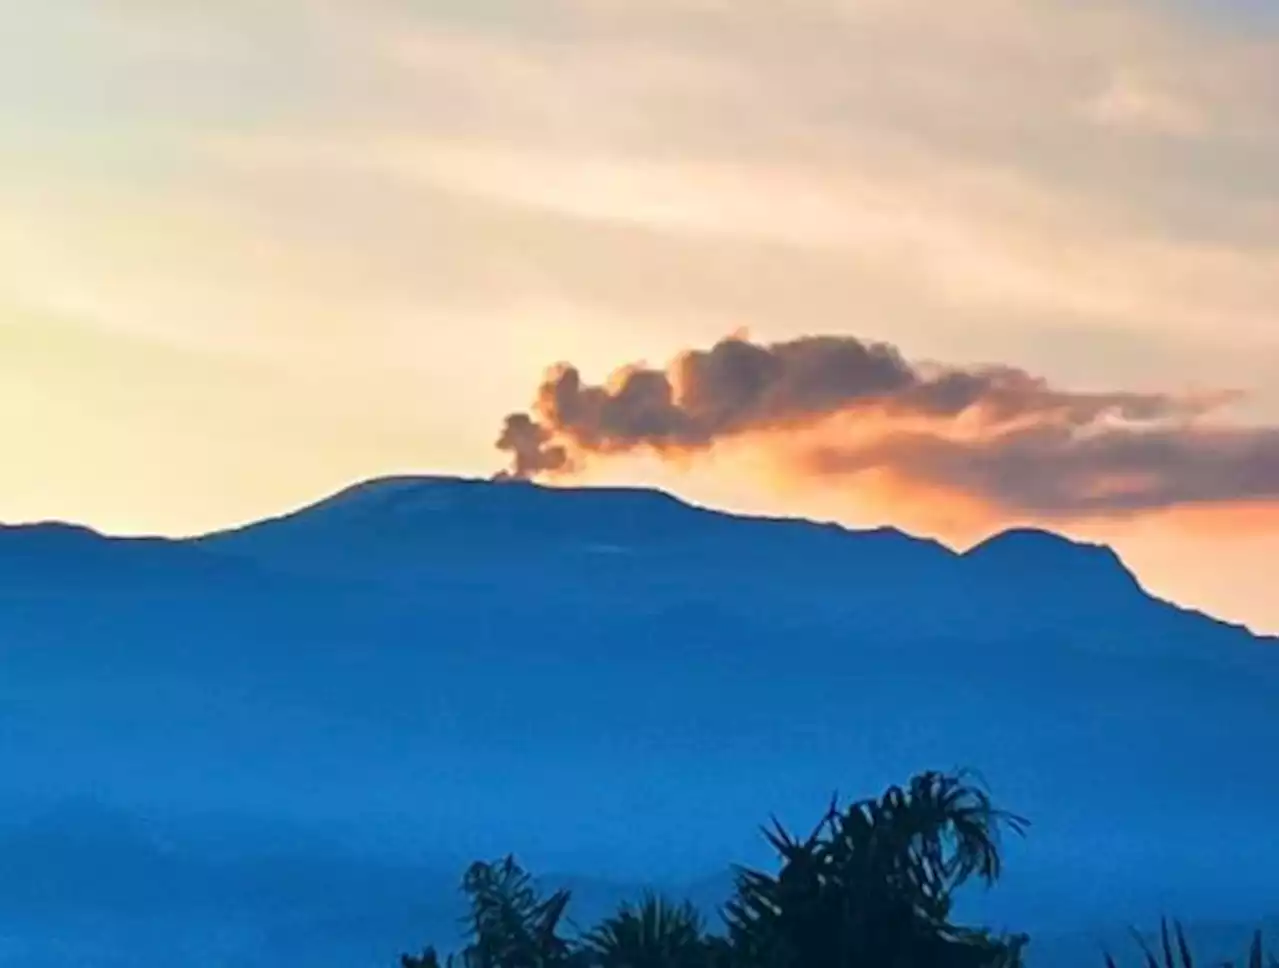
{"points": [[255, 251]]}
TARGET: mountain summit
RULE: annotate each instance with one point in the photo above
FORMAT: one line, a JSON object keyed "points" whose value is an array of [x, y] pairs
{"points": [[428, 513], [404, 530]]}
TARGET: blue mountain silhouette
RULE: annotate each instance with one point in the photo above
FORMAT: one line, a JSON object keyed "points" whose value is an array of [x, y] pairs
{"points": [[613, 682]]}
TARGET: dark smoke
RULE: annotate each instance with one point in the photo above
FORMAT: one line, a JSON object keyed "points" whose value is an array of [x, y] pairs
{"points": [[1037, 447], [532, 451]]}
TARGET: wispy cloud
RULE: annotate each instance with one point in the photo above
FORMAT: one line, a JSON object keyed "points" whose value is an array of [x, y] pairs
{"points": [[1131, 102], [727, 164]]}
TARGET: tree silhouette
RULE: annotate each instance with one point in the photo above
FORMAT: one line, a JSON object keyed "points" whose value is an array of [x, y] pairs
{"points": [[428, 959], [872, 884], [1184, 959], [653, 934], [511, 925], [870, 887]]}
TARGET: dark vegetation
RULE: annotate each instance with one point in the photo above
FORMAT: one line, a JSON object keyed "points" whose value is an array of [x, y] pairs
{"points": [[870, 887]]}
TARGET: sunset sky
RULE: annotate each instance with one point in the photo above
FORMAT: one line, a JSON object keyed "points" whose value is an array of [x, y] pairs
{"points": [[255, 251]]}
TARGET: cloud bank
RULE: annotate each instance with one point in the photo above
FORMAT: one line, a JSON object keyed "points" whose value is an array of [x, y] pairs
{"points": [[838, 407]]}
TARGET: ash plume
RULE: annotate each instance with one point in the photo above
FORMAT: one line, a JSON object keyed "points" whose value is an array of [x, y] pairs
{"points": [[996, 433]]}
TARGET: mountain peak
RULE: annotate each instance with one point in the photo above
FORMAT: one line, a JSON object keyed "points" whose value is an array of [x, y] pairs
{"points": [[425, 493], [42, 531], [1046, 556], [379, 491], [1033, 542]]}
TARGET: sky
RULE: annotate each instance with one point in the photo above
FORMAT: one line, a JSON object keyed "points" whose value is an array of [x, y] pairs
{"points": [[252, 252]]}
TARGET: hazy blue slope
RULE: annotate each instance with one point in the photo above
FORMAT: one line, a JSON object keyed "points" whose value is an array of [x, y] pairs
{"points": [[616, 683]]}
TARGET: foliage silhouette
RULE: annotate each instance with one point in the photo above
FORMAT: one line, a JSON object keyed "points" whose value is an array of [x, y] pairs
{"points": [[873, 884], [510, 924], [428, 959], [1165, 957], [652, 934], [870, 887]]}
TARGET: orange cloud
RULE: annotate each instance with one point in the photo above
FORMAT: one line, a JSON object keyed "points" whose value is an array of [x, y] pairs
{"points": [[997, 440]]}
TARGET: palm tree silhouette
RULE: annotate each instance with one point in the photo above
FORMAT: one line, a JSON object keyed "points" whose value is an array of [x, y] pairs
{"points": [[1165, 958], [655, 933], [870, 887], [511, 925], [873, 883]]}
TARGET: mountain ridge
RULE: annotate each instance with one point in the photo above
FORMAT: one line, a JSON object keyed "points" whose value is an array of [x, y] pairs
{"points": [[379, 489], [613, 520], [398, 521]]}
